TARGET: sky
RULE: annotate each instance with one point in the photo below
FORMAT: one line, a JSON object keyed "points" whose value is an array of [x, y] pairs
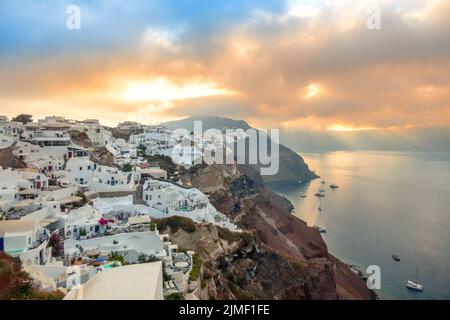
{"points": [[309, 65]]}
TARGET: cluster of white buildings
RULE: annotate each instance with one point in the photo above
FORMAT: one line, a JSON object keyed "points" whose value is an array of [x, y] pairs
{"points": [[86, 228]]}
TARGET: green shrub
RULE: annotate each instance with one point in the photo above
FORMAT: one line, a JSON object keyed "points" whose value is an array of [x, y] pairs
{"points": [[175, 296], [196, 265], [127, 167], [83, 232], [115, 256]]}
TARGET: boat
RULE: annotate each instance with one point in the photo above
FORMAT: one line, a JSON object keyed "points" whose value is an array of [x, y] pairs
{"points": [[323, 182], [303, 195], [414, 285], [320, 195], [333, 186], [320, 229], [395, 257], [321, 190], [320, 209]]}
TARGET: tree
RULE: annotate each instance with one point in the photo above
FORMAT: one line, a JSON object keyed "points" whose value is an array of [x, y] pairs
{"points": [[127, 167], [24, 118]]}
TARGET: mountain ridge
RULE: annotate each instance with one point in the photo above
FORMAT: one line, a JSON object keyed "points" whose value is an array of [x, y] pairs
{"points": [[292, 166]]}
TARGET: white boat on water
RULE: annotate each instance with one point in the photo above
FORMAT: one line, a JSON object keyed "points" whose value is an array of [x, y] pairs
{"points": [[414, 286]]}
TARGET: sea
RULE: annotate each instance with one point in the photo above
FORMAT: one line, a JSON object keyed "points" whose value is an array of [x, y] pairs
{"points": [[387, 203]]}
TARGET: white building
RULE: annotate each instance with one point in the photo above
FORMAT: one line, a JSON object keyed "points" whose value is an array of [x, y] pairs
{"points": [[18, 184], [24, 239], [10, 131], [130, 245], [167, 199], [79, 172], [129, 125], [83, 223], [9, 194], [83, 172], [134, 282], [107, 179], [160, 195], [157, 139]]}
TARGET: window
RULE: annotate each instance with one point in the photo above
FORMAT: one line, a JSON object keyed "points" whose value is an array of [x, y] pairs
{"points": [[81, 168]]}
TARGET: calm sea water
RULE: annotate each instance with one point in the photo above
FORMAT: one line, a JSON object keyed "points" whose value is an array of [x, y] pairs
{"points": [[387, 203]]}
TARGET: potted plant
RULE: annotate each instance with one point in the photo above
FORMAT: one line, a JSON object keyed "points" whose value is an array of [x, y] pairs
{"points": [[83, 234]]}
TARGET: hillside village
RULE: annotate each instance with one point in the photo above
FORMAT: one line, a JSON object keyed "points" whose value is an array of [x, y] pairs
{"points": [[78, 201]]}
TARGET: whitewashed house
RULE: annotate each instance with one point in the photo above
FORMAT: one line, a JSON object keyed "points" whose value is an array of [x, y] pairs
{"points": [[160, 195], [9, 130], [24, 239], [83, 223], [38, 181], [131, 245], [79, 172], [107, 179]]}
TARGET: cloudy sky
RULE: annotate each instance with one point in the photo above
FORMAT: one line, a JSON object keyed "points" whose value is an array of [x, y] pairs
{"points": [[294, 64]]}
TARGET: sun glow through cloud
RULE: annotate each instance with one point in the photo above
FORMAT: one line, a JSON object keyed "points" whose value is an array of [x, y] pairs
{"points": [[340, 127], [162, 90], [312, 91]]}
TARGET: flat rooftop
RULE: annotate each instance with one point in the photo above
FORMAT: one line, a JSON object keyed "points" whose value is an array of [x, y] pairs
{"points": [[132, 282]]}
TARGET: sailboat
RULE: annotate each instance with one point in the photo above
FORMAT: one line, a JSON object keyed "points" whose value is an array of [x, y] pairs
{"points": [[414, 285]]}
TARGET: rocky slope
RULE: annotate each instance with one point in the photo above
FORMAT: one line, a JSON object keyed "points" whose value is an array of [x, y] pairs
{"points": [[8, 160], [276, 257], [80, 138]]}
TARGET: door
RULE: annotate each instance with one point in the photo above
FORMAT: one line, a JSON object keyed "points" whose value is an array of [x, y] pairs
{"points": [[1, 244]]}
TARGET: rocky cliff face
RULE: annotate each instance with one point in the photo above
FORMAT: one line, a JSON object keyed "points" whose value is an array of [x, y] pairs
{"points": [[276, 257]]}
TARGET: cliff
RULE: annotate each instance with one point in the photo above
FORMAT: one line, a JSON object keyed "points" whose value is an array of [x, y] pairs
{"points": [[277, 256]]}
